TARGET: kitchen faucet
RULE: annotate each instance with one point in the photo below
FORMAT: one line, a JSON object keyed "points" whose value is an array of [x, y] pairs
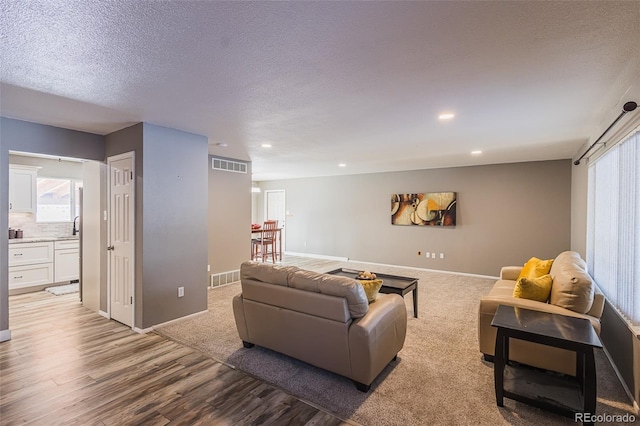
{"points": [[75, 230]]}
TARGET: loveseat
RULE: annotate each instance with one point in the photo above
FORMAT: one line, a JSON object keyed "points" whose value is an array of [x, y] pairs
{"points": [[324, 320], [573, 293]]}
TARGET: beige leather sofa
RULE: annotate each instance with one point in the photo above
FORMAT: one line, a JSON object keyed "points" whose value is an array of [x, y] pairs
{"points": [[570, 288], [324, 320]]}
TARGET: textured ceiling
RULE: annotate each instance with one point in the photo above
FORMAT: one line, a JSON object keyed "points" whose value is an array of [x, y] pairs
{"points": [[329, 82]]}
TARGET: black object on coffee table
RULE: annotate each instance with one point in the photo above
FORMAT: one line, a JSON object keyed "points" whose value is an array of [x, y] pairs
{"points": [[562, 394], [391, 284]]}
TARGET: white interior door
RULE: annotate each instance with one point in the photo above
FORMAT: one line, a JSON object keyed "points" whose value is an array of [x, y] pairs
{"points": [[275, 209], [121, 237]]}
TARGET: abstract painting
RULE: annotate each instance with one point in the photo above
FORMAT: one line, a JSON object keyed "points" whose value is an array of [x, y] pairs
{"points": [[428, 209]]}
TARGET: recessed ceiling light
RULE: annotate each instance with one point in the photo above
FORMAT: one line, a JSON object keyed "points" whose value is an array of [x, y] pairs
{"points": [[342, 165], [222, 144], [266, 145], [446, 116], [476, 152]]}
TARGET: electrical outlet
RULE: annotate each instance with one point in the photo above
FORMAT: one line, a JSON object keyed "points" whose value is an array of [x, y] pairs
{"points": [[441, 255], [180, 291], [208, 268], [433, 255]]}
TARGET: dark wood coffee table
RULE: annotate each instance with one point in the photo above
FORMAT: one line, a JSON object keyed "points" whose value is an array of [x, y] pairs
{"points": [[565, 395], [391, 284]]}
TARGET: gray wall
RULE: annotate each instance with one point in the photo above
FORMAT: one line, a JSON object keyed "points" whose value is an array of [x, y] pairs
{"points": [[171, 220], [506, 214], [579, 192], [229, 219], [174, 224], [17, 135]]}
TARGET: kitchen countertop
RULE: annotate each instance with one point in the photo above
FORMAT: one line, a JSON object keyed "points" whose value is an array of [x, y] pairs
{"points": [[42, 239]]}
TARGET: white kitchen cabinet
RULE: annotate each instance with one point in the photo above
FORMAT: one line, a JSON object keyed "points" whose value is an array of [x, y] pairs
{"points": [[30, 253], [22, 188], [30, 264], [30, 275], [67, 244], [67, 260]]}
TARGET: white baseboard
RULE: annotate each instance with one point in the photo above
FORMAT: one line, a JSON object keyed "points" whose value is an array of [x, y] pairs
{"points": [[104, 314], [346, 259], [176, 320], [317, 256], [5, 335], [427, 269], [142, 330]]}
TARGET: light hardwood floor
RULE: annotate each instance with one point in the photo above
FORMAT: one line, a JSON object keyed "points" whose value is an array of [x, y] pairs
{"points": [[68, 365]]}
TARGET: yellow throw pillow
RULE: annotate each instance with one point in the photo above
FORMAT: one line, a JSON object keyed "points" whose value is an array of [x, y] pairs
{"points": [[535, 268], [371, 288], [534, 288]]}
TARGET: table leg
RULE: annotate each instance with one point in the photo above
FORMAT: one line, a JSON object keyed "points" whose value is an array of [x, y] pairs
{"points": [[590, 384], [415, 302], [280, 243], [498, 366], [580, 371]]}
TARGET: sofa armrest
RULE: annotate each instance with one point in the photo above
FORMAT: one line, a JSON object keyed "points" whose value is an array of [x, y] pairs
{"points": [[238, 313], [488, 306], [510, 272], [598, 304], [376, 338]]}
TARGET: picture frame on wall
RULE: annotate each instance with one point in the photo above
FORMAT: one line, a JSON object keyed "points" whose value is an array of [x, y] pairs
{"points": [[425, 209]]}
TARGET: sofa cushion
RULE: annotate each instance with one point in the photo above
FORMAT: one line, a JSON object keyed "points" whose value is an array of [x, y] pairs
{"points": [[333, 285], [371, 288], [535, 268], [572, 288], [534, 288]]}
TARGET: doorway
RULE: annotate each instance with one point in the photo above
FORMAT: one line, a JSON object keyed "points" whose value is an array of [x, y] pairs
{"points": [[54, 228], [275, 208]]}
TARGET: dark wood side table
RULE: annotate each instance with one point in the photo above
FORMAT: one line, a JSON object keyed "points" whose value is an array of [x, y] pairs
{"points": [[561, 394]]}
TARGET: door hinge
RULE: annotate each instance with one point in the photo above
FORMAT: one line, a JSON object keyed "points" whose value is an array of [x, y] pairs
{"points": [[131, 303], [131, 174]]}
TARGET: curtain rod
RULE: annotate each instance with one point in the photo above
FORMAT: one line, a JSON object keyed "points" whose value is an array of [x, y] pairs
{"points": [[628, 107]]}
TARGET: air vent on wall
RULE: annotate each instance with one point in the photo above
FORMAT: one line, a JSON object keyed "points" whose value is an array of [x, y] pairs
{"points": [[228, 165]]}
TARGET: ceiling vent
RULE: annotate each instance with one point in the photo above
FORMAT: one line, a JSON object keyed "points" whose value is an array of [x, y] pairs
{"points": [[228, 165]]}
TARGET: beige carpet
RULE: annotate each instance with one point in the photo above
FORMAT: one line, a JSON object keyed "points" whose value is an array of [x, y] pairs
{"points": [[439, 378]]}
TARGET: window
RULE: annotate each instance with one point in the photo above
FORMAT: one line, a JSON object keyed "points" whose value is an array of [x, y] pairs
{"points": [[613, 220], [57, 199]]}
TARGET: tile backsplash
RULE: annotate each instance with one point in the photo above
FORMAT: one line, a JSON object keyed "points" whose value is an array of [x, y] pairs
{"points": [[27, 222]]}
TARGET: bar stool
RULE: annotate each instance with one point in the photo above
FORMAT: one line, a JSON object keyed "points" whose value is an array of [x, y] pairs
{"points": [[266, 245]]}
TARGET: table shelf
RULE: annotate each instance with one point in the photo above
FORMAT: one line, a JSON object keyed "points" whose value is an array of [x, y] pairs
{"points": [[543, 389]]}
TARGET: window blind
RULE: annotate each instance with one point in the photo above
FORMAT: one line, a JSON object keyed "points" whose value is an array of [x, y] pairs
{"points": [[613, 222]]}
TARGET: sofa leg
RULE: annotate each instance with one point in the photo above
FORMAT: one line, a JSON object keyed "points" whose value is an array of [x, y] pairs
{"points": [[362, 387], [488, 358], [247, 344]]}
